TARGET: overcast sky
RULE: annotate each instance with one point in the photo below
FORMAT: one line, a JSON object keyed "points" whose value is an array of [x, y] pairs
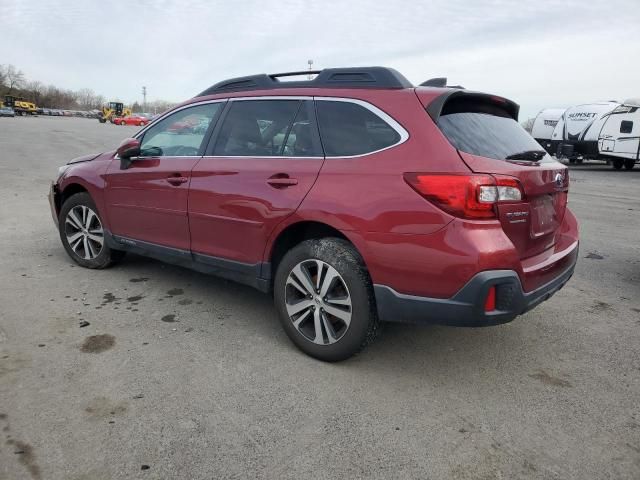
{"points": [[540, 54]]}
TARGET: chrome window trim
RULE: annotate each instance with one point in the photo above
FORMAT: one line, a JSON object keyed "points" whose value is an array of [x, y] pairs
{"points": [[279, 157], [404, 135]]}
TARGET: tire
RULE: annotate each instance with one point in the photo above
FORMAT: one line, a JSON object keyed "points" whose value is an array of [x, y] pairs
{"points": [[348, 292], [140, 124], [629, 164], [80, 228], [617, 164], [123, 123]]}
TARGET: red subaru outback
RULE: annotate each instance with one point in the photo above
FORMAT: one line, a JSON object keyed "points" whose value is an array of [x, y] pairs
{"points": [[354, 198]]}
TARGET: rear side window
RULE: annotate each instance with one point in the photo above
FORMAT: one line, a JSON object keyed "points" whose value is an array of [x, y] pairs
{"points": [[349, 129], [266, 128], [485, 129], [626, 126]]}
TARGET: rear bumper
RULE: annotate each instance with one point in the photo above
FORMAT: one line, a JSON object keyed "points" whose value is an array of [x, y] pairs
{"points": [[466, 307]]}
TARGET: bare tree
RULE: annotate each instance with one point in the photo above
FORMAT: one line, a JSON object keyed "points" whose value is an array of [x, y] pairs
{"points": [[35, 89], [86, 98], [14, 78], [99, 102], [2, 75]]}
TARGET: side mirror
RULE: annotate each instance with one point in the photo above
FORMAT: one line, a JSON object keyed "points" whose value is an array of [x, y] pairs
{"points": [[129, 148]]}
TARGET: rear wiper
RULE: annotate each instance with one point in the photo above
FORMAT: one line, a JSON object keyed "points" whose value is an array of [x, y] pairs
{"points": [[533, 155]]}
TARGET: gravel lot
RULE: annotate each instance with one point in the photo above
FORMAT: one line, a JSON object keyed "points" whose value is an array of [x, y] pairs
{"points": [[193, 377]]}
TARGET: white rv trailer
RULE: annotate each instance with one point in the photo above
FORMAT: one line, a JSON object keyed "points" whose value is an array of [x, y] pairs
{"points": [[620, 135], [543, 126], [578, 130]]}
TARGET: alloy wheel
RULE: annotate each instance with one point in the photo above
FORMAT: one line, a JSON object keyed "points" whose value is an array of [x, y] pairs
{"points": [[84, 232], [318, 302]]}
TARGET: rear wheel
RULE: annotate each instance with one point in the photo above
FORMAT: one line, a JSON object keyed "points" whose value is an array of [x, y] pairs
{"points": [[123, 123], [82, 233], [325, 300], [629, 164], [617, 164]]}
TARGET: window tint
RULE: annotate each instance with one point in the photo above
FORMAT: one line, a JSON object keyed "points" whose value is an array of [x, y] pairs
{"points": [[626, 126], [492, 135], [350, 129], [181, 133], [260, 128]]}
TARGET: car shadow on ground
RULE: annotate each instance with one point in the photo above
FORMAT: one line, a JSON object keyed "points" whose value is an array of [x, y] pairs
{"points": [[421, 350]]}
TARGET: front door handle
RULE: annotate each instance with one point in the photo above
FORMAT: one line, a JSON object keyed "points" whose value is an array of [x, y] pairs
{"points": [[177, 179], [281, 180]]}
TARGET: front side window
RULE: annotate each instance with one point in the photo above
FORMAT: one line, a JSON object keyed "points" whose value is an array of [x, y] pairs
{"points": [[181, 133], [626, 126], [349, 129], [264, 128]]}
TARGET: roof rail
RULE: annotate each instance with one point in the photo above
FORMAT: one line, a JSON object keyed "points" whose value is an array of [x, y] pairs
{"points": [[363, 77], [440, 82]]}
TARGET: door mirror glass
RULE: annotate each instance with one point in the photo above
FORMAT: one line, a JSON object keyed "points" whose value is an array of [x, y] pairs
{"points": [[129, 148]]}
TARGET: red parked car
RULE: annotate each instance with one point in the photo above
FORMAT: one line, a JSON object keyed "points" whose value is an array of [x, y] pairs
{"points": [[136, 120], [352, 198]]}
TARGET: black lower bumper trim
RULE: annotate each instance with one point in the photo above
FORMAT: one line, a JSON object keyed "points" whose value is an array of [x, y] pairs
{"points": [[466, 308]]}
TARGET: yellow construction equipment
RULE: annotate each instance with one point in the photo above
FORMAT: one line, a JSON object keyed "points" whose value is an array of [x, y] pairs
{"points": [[19, 105], [112, 110]]}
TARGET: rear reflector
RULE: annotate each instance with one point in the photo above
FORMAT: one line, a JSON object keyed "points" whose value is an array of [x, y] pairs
{"points": [[466, 196], [490, 302]]}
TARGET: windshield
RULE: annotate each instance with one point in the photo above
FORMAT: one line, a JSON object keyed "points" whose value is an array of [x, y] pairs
{"points": [[489, 135]]}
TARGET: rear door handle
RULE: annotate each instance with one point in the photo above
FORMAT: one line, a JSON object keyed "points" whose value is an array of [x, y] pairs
{"points": [[281, 180], [177, 179]]}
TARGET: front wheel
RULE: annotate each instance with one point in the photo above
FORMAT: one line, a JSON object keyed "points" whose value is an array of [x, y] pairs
{"points": [[82, 233], [325, 299]]}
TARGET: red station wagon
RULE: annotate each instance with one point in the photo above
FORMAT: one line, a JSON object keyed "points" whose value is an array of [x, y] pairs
{"points": [[352, 198]]}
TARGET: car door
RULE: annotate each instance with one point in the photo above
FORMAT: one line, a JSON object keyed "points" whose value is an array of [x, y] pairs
{"points": [[147, 197], [263, 160]]}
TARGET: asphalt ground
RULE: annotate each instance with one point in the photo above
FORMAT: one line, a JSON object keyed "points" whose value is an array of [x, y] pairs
{"points": [[182, 375]]}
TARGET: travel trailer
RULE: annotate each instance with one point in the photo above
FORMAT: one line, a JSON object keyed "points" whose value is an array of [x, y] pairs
{"points": [[578, 130], [543, 127], [619, 140]]}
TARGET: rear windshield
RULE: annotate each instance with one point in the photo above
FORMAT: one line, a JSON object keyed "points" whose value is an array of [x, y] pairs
{"points": [[486, 130]]}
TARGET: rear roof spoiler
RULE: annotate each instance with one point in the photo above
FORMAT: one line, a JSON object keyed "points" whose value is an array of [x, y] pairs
{"points": [[434, 109]]}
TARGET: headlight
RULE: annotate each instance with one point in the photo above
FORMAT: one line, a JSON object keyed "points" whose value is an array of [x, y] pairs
{"points": [[61, 171]]}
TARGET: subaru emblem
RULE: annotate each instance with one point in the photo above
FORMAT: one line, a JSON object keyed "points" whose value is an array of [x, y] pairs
{"points": [[559, 179]]}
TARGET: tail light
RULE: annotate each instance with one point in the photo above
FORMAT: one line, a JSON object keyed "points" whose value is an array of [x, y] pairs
{"points": [[466, 196]]}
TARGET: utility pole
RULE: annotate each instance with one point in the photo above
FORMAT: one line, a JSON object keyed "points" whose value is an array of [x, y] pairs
{"points": [[144, 99], [310, 62]]}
